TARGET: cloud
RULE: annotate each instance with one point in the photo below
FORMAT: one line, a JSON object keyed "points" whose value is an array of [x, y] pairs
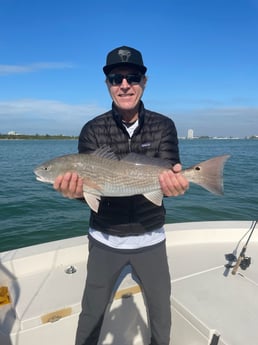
{"points": [[34, 67], [42, 116], [218, 121], [30, 116]]}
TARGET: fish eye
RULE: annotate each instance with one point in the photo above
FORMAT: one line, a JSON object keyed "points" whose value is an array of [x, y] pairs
{"points": [[197, 168]]}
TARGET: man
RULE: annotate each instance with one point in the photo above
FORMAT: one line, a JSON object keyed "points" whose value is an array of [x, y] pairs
{"points": [[127, 230]]}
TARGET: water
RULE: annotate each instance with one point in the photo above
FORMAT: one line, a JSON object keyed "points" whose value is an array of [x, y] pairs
{"points": [[32, 212]]}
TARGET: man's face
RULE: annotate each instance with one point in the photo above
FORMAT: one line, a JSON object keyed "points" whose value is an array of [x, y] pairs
{"points": [[126, 94]]}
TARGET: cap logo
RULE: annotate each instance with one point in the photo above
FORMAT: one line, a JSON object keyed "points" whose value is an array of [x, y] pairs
{"points": [[124, 55]]}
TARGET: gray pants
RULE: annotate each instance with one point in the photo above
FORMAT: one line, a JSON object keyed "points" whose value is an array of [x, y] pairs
{"points": [[104, 267]]}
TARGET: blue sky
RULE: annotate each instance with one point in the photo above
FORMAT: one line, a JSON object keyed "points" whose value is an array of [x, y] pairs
{"points": [[201, 57]]}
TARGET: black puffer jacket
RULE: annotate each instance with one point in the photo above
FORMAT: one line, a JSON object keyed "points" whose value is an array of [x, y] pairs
{"points": [[155, 136]]}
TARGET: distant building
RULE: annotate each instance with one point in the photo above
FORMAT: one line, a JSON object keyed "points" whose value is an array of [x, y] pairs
{"points": [[12, 133], [190, 134]]}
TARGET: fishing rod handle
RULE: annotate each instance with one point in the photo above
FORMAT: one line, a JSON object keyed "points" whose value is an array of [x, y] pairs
{"points": [[239, 260]]}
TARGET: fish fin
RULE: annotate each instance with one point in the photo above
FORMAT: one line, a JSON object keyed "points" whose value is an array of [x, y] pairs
{"points": [[155, 197], [140, 159], [208, 174], [92, 201], [105, 152]]}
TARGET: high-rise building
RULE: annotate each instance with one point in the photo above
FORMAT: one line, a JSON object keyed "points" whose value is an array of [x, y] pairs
{"points": [[190, 134]]}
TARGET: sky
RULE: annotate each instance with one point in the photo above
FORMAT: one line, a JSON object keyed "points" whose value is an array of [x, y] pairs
{"points": [[202, 59]]}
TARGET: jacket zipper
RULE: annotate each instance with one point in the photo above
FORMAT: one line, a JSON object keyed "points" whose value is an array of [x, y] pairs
{"points": [[129, 144]]}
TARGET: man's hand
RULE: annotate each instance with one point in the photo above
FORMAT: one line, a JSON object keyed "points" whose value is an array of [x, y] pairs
{"points": [[172, 182], [70, 185]]}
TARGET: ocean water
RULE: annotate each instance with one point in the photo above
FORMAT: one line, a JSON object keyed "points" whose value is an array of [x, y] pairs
{"points": [[32, 212]]}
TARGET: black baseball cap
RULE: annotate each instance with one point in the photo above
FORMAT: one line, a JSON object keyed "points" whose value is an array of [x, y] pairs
{"points": [[124, 56]]}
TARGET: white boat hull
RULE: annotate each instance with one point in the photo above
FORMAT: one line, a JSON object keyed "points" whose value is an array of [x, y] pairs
{"points": [[209, 305]]}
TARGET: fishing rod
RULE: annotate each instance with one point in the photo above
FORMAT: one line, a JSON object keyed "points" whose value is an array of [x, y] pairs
{"points": [[242, 254]]}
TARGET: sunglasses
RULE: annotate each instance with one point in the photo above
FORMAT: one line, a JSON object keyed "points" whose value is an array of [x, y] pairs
{"points": [[117, 79]]}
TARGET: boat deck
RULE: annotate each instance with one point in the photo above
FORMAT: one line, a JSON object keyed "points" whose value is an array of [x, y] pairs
{"points": [[210, 306], [205, 292]]}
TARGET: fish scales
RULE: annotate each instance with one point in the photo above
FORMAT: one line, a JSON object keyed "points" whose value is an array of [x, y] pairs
{"points": [[120, 178]]}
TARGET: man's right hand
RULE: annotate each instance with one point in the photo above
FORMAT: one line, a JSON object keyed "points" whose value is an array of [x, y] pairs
{"points": [[70, 185]]}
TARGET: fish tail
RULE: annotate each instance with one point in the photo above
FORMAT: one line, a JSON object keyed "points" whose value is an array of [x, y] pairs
{"points": [[208, 174]]}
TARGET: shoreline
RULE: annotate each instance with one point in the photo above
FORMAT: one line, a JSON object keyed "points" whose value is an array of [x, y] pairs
{"points": [[37, 137]]}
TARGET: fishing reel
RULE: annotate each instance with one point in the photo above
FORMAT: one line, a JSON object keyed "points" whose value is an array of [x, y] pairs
{"points": [[244, 263]]}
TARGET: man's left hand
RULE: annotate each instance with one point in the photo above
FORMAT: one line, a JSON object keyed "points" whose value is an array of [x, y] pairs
{"points": [[172, 182]]}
